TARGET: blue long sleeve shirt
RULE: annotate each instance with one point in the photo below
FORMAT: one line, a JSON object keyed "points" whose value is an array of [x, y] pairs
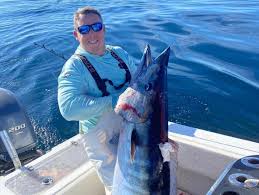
{"points": [[79, 98]]}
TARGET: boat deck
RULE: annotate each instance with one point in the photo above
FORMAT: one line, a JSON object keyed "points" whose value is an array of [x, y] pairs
{"points": [[202, 157]]}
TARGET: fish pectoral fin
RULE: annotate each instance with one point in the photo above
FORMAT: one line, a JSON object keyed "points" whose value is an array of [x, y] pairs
{"points": [[133, 145], [132, 151]]}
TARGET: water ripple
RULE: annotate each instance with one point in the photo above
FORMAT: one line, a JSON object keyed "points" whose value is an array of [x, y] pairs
{"points": [[213, 75]]}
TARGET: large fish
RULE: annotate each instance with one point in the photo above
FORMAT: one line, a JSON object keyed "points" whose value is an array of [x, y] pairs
{"points": [[141, 167]]}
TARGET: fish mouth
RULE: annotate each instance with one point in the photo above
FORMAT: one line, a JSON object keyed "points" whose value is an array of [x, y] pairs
{"points": [[130, 113], [127, 107]]}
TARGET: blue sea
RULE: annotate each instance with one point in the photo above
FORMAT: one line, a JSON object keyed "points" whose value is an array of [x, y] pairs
{"points": [[213, 73]]}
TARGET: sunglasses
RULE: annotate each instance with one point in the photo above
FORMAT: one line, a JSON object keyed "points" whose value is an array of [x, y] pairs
{"points": [[85, 29]]}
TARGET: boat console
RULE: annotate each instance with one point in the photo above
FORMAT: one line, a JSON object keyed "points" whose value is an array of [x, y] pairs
{"points": [[239, 178]]}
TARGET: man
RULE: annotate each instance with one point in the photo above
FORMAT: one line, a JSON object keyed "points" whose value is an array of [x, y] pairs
{"points": [[90, 83]]}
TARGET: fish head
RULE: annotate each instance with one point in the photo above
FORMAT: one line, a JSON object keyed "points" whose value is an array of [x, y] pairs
{"points": [[136, 103]]}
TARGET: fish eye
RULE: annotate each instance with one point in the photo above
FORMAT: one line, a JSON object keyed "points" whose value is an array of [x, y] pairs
{"points": [[148, 86]]}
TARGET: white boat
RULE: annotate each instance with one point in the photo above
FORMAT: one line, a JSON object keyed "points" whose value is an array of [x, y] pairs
{"points": [[202, 157]]}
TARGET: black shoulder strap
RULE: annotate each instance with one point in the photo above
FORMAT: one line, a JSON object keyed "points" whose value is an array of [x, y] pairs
{"points": [[99, 81], [122, 65]]}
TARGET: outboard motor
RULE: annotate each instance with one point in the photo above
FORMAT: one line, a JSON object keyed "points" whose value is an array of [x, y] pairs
{"points": [[18, 139]]}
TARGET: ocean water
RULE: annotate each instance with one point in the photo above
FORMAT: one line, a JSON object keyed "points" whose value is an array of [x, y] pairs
{"points": [[213, 73]]}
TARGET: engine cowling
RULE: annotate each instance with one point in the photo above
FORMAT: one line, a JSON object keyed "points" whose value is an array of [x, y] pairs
{"points": [[14, 120]]}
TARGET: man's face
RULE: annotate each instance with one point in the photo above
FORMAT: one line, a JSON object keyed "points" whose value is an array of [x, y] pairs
{"points": [[92, 42]]}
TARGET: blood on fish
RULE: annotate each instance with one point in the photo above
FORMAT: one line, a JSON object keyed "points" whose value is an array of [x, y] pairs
{"points": [[126, 107]]}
